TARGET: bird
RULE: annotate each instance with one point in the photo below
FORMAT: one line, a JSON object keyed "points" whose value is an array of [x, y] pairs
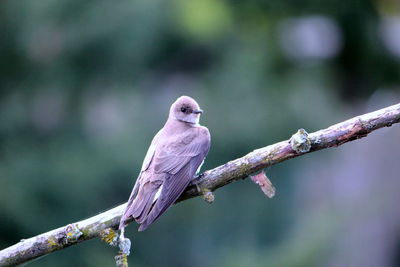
{"points": [[174, 157]]}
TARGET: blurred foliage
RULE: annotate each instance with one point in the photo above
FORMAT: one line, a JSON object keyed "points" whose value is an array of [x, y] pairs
{"points": [[85, 85]]}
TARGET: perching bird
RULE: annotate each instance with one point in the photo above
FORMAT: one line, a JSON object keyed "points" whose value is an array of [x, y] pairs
{"points": [[174, 156]]}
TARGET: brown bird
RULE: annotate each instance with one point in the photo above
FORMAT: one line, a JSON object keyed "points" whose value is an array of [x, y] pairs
{"points": [[174, 156]]}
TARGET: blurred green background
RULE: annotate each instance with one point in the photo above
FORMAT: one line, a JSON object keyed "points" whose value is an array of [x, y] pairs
{"points": [[85, 85]]}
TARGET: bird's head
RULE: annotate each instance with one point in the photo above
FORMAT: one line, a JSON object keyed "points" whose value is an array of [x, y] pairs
{"points": [[185, 109]]}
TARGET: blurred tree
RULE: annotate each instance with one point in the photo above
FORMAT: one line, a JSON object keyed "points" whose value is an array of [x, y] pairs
{"points": [[85, 85]]}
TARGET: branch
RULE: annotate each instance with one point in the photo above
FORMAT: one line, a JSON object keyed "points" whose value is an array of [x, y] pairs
{"points": [[300, 143]]}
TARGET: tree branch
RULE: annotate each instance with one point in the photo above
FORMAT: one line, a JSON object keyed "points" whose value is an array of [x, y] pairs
{"points": [[300, 143]]}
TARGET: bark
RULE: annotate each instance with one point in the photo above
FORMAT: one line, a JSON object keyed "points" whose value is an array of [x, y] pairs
{"points": [[300, 143]]}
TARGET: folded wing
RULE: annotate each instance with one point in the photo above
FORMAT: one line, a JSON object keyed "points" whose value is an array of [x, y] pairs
{"points": [[179, 163], [168, 171]]}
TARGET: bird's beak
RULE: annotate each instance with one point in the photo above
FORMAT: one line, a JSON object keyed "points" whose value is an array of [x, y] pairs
{"points": [[197, 111]]}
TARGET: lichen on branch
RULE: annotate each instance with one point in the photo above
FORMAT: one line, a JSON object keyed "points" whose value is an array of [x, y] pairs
{"points": [[209, 181]]}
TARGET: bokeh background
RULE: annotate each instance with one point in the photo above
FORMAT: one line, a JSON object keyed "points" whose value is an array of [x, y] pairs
{"points": [[85, 85]]}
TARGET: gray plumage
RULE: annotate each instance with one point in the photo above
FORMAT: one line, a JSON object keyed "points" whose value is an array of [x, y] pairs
{"points": [[171, 162]]}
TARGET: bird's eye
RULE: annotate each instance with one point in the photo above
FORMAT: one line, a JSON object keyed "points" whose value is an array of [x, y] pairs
{"points": [[183, 110]]}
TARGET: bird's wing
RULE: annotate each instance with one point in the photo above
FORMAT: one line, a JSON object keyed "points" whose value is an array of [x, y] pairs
{"points": [[146, 163], [176, 163], [150, 152]]}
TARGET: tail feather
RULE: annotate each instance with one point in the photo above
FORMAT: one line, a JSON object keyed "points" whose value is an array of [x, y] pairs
{"points": [[140, 207]]}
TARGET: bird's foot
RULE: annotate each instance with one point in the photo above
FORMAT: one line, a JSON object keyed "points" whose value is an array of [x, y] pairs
{"points": [[199, 176], [206, 193]]}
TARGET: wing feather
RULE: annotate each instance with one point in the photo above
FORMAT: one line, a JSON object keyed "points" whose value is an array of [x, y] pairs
{"points": [[173, 187], [181, 165], [133, 206], [171, 166]]}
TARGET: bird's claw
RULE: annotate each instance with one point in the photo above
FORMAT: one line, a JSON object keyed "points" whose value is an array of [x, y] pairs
{"points": [[199, 176], [207, 194]]}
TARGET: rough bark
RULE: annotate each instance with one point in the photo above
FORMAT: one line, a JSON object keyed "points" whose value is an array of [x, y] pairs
{"points": [[300, 143]]}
